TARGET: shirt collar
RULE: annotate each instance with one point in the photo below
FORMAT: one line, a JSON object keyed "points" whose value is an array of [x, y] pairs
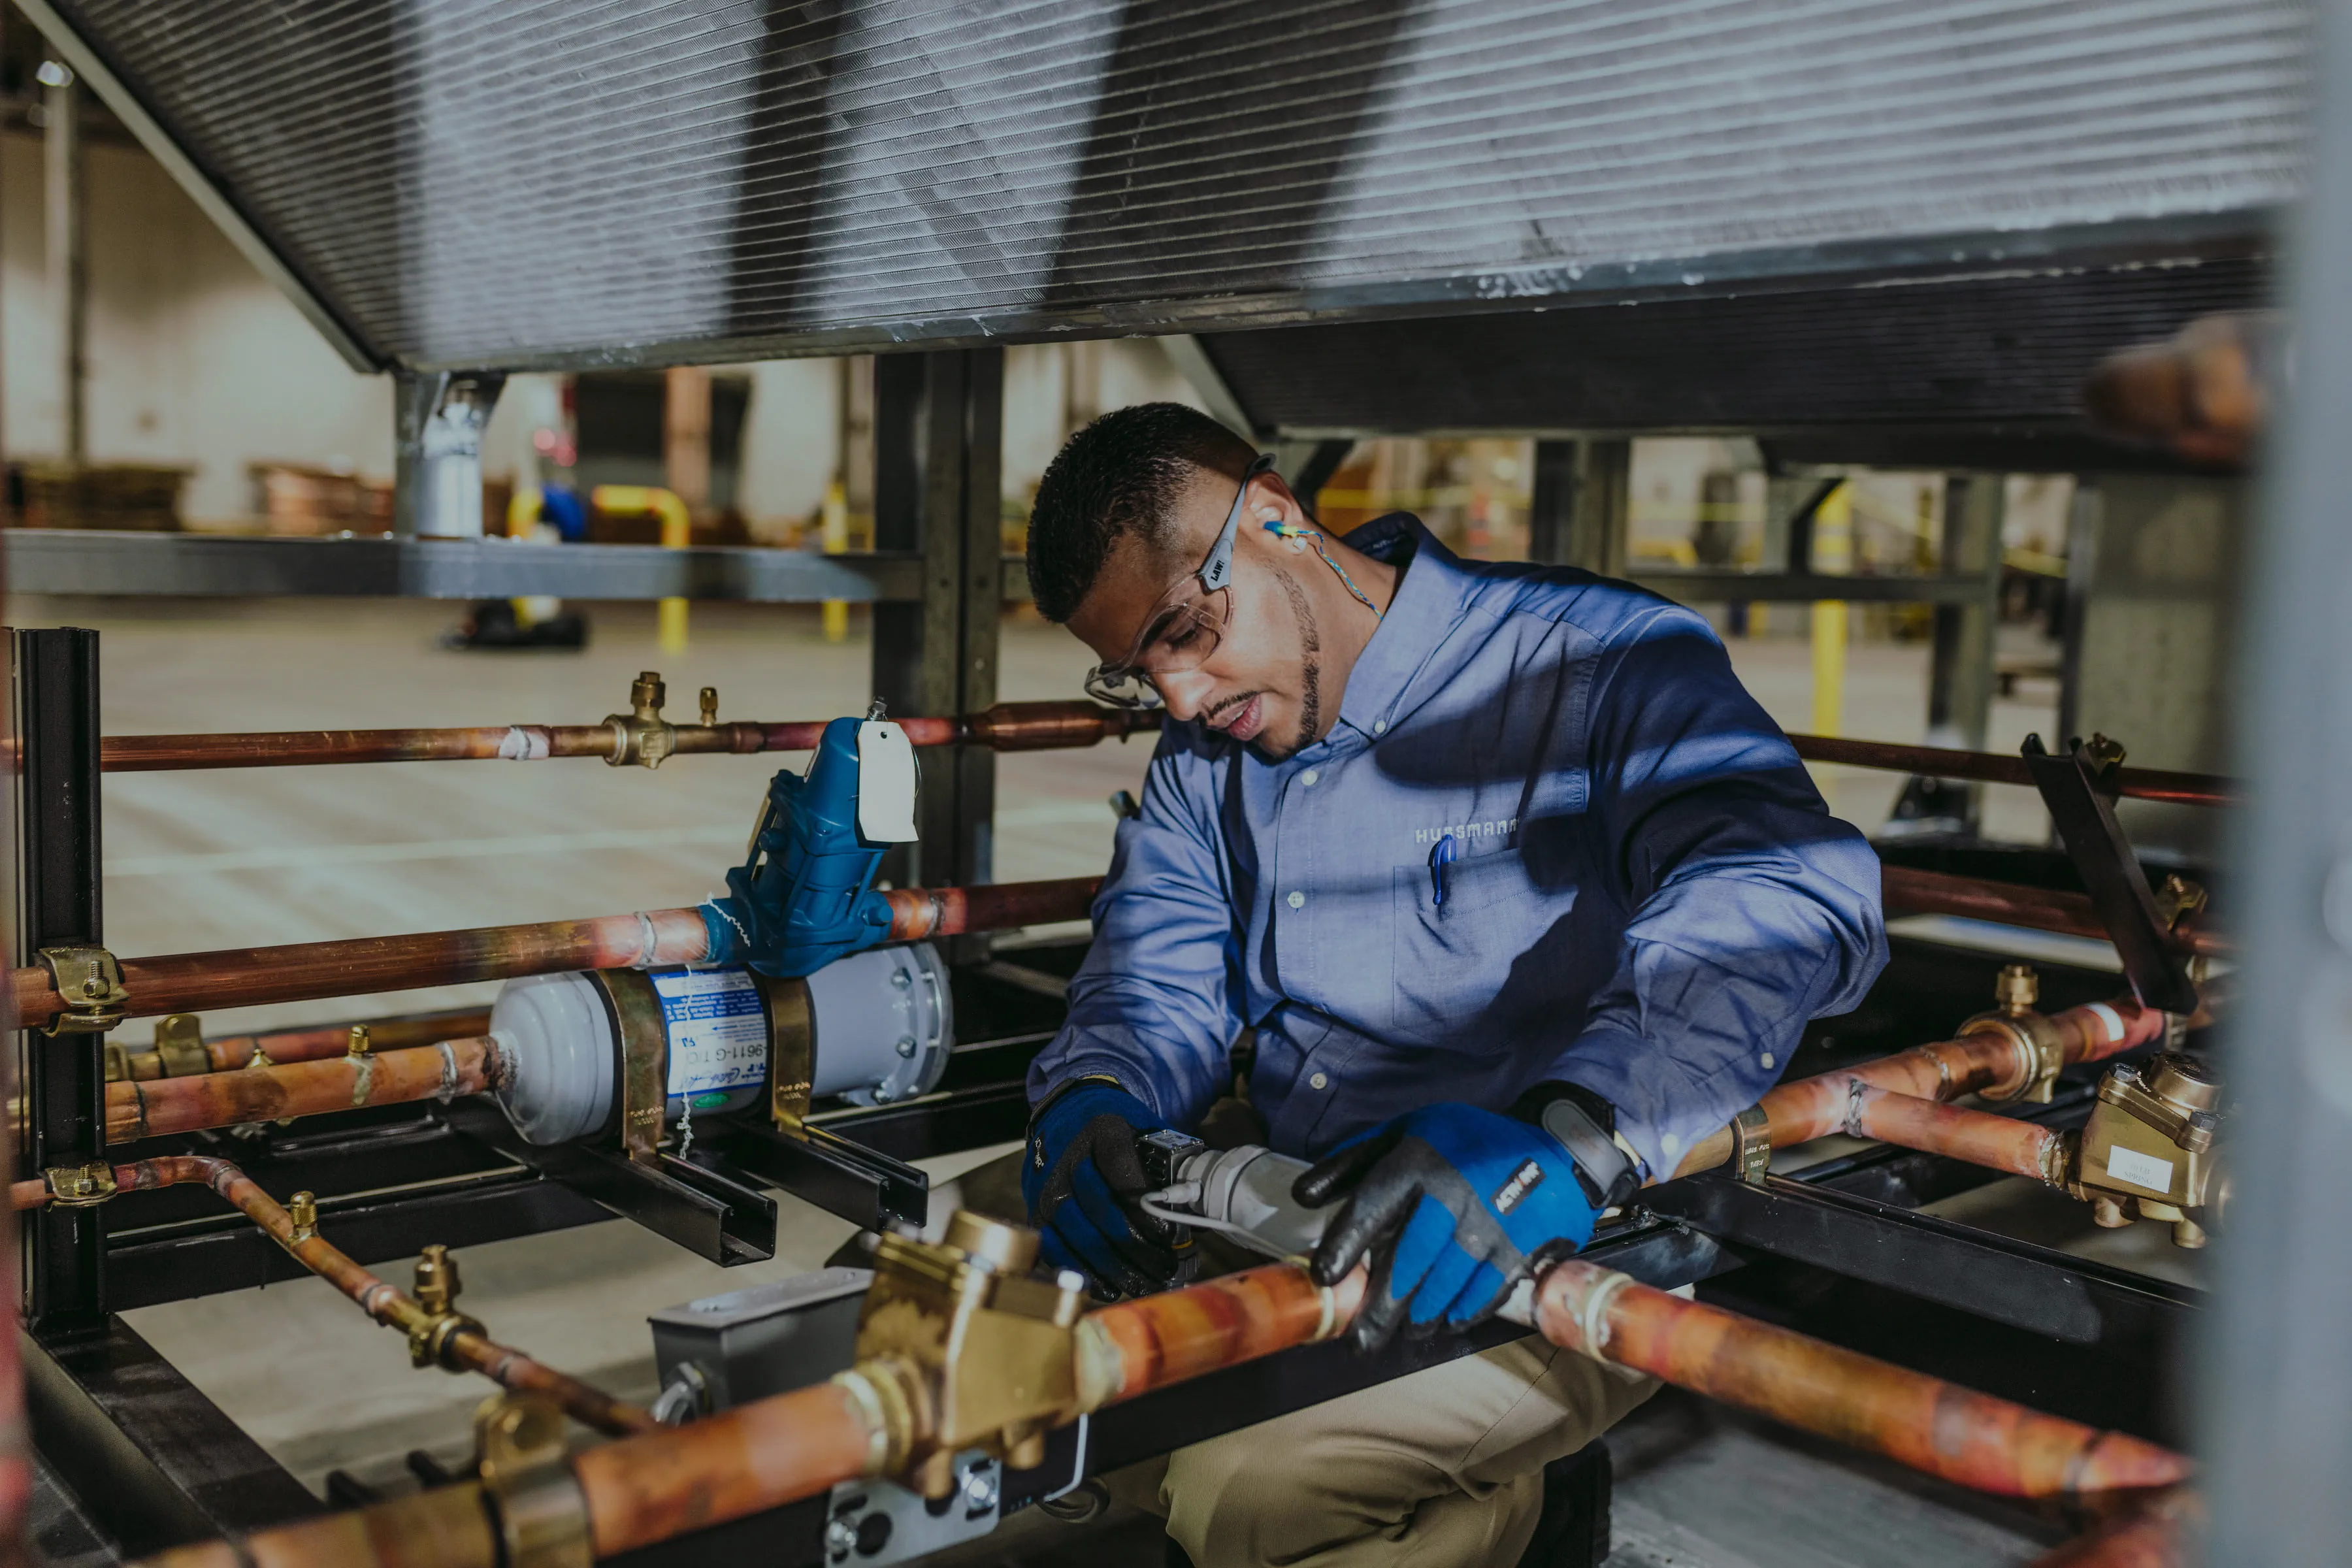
{"points": [[1431, 594]]}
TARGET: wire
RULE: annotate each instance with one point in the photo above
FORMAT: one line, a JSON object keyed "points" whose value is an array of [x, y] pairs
{"points": [[1201, 1222], [1284, 530]]}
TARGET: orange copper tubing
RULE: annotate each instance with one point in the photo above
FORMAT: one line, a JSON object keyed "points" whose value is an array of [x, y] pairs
{"points": [[317, 1045], [1007, 727], [1934, 1427], [462, 1348], [1155, 1341], [301, 972], [1913, 892], [1996, 1143], [1992, 767], [1989, 1057], [158, 1107], [447, 1527]]}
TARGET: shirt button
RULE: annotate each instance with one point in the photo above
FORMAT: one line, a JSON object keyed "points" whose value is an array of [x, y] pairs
{"points": [[1380, 726], [1318, 1081], [1309, 776], [1296, 901]]}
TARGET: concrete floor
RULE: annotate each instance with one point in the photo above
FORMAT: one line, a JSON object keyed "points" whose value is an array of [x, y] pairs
{"points": [[203, 860]]}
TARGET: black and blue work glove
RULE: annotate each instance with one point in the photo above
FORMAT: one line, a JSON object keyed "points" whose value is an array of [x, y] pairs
{"points": [[1081, 1177], [1454, 1205]]}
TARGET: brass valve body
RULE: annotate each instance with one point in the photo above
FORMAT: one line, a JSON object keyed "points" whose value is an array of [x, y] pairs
{"points": [[2147, 1149]]}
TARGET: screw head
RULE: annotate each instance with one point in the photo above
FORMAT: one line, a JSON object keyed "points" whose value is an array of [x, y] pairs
{"points": [[979, 1489], [906, 1045]]}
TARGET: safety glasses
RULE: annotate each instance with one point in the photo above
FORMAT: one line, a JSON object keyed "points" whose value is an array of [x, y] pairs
{"points": [[1186, 626]]}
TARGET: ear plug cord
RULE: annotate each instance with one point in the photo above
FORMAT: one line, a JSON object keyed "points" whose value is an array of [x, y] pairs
{"points": [[1301, 538]]}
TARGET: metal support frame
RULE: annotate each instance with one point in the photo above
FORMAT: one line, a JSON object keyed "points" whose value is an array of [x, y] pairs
{"points": [[1960, 672], [938, 439], [2082, 809], [59, 905], [65, 202]]}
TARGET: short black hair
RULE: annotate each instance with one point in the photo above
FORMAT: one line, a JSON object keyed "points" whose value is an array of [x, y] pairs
{"points": [[1115, 477]]}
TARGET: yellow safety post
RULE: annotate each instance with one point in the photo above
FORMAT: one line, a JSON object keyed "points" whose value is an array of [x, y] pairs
{"points": [[676, 533], [835, 539], [1832, 554]]}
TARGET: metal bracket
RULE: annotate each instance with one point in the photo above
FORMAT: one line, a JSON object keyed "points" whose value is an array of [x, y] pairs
{"points": [[1752, 1145], [542, 1514], [180, 1044], [2078, 788], [878, 1521], [863, 1185], [791, 1048], [643, 1072], [91, 983], [80, 1187]]}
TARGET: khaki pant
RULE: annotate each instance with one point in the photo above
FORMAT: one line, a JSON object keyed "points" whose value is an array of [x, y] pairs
{"points": [[1443, 1467]]}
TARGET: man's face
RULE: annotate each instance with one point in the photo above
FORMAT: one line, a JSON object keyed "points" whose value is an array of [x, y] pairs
{"points": [[1264, 683]]}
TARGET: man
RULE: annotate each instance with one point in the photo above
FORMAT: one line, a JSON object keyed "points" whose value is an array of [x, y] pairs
{"points": [[1520, 896]]}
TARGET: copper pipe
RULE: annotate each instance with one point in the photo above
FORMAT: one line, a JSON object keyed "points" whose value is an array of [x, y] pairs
{"points": [[1931, 1426], [2155, 1532], [1907, 891], [1986, 1058], [1007, 727], [465, 1348], [447, 1527], [919, 913], [236, 1051], [1992, 767], [1996, 1143], [301, 972], [725, 1467], [1152, 1342], [159, 1107]]}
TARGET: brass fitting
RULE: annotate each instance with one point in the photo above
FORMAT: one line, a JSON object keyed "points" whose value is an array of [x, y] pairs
{"points": [[90, 983], [359, 1044], [2148, 1150], [302, 1208], [437, 1317], [2178, 899], [709, 707], [541, 1512], [80, 1187], [2040, 1048], [179, 1044], [642, 735], [961, 1347]]}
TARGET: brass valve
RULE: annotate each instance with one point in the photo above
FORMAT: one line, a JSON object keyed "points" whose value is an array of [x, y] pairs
{"points": [[302, 1208], [2040, 1047], [2146, 1151], [642, 735], [710, 706], [437, 1317], [358, 1045], [961, 1347]]}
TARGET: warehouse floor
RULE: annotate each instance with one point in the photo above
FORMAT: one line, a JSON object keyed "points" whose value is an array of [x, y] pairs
{"points": [[203, 860]]}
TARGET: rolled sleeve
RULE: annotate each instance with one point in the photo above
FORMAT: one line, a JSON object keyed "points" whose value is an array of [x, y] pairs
{"points": [[1753, 910]]}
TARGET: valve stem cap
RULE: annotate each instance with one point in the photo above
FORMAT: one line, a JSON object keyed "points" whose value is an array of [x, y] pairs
{"points": [[2017, 988]]}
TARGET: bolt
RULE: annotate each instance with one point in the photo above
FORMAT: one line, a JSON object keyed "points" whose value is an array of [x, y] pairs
{"points": [[901, 979], [906, 1045], [841, 1537], [980, 1490], [882, 1095]]}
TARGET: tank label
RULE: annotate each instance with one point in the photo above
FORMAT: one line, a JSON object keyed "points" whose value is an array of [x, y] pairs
{"points": [[718, 1031]]}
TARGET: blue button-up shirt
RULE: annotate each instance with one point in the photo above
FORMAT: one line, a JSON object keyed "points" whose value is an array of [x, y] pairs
{"points": [[1645, 894]]}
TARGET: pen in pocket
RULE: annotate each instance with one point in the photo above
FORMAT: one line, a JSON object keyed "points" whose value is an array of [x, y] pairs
{"points": [[1440, 857]]}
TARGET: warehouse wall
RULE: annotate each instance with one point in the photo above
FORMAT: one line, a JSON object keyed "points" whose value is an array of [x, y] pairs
{"points": [[194, 357]]}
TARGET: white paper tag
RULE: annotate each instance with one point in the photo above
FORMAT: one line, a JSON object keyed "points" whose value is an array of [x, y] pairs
{"points": [[2111, 1020], [2140, 1170], [718, 1030], [886, 784]]}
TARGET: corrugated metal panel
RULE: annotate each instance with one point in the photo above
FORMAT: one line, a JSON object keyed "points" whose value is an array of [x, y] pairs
{"points": [[504, 183], [2009, 351]]}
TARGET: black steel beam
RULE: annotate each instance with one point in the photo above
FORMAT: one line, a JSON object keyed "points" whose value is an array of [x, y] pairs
{"points": [[974, 1118], [59, 905], [2014, 1282], [155, 1460], [145, 1273]]}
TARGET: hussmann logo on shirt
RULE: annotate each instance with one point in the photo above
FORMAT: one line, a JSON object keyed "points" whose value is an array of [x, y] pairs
{"points": [[1501, 827], [1524, 1180]]}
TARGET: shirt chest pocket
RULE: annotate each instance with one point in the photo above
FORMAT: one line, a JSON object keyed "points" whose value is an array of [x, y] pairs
{"points": [[1448, 958]]}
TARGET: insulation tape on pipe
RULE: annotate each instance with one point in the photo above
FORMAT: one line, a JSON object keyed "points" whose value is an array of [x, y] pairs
{"points": [[2111, 1018], [882, 1027], [526, 744]]}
